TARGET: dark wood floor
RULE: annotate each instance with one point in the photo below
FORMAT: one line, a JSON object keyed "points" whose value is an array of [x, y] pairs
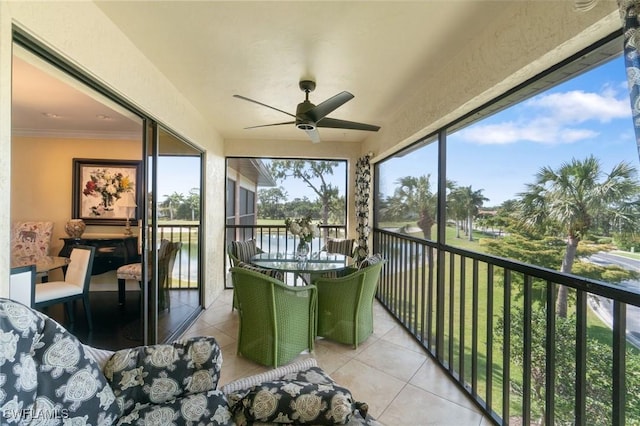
{"points": [[117, 327]]}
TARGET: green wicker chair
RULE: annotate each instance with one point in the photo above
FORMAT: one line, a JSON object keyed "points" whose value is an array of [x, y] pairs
{"points": [[345, 305], [277, 322], [241, 252]]}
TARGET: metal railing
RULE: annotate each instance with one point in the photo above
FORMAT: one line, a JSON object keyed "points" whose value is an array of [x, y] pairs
{"points": [[468, 310], [185, 269]]}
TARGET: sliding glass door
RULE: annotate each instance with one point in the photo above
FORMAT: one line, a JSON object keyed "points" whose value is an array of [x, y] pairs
{"points": [[174, 232]]}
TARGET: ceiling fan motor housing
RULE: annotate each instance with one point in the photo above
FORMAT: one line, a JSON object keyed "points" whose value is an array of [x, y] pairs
{"points": [[302, 121]]}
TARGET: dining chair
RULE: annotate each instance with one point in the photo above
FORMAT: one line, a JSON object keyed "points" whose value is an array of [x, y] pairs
{"points": [[166, 261], [341, 246], [21, 284], [277, 321], [240, 254], [75, 286], [31, 240], [345, 304], [133, 271]]}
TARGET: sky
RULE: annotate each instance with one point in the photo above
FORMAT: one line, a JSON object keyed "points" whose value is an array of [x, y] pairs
{"points": [[178, 174], [589, 114]]}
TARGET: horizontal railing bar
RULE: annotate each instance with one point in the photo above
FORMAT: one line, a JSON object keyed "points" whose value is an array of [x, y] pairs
{"points": [[598, 288]]}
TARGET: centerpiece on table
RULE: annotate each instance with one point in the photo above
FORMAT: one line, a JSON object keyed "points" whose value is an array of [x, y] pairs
{"points": [[305, 231]]}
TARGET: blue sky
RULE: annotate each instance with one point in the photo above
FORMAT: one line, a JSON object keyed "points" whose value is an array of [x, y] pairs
{"points": [[178, 174], [590, 114]]}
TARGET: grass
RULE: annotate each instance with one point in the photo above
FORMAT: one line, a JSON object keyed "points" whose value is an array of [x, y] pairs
{"points": [[397, 291]]}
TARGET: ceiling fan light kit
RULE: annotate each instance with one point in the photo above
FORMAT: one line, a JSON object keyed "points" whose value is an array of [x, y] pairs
{"points": [[309, 117]]}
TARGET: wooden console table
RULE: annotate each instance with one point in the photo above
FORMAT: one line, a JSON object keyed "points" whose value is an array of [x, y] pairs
{"points": [[112, 251]]}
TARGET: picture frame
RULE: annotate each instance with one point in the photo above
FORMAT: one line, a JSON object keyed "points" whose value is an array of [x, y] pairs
{"points": [[106, 192]]}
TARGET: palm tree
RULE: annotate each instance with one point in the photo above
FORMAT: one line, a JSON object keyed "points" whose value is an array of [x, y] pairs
{"points": [[413, 198], [172, 202], [567, 199], [464, 205]]}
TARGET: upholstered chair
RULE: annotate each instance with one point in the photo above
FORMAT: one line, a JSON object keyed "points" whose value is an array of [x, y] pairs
{"points": [[75, 286], [31, 240]]}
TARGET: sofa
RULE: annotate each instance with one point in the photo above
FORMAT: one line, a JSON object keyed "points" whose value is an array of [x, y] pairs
{"points": [[48, 377]]}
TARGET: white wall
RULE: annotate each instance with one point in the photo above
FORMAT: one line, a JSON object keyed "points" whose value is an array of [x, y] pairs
{"points": [[80, 33]]}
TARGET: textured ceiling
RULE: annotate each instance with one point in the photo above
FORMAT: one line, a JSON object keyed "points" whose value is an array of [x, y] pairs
{"points": [[211, 50]]}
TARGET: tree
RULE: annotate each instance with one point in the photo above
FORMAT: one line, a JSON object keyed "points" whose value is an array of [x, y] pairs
{"points": [[271, 201], [599, 369], [413, 198], [172, 202], [314, 174], [466, 204], [193, 202], [567, 199]]}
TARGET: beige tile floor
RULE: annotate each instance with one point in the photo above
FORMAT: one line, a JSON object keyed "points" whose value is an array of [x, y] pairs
{"points": [[389, 371]]}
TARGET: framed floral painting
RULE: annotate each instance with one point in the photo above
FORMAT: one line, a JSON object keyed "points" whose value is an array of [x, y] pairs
{"points": [[106, 192]]}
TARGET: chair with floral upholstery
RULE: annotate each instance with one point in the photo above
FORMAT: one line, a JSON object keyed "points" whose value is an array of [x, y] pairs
{"points": [[31, 240], [133, 271]]}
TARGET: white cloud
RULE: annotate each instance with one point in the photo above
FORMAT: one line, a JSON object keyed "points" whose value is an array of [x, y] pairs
{"points": [[578, 106], [555, 118]]}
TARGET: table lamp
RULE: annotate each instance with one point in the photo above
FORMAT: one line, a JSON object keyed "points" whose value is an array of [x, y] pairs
{"points": [[128, 202]]}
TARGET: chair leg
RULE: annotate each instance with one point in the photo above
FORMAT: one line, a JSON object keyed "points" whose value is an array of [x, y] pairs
{"points": [[87, 311], [121, 291], [70, 308]]}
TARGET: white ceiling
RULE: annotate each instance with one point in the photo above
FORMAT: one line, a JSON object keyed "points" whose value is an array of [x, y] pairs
{"points": [[212, 50]]}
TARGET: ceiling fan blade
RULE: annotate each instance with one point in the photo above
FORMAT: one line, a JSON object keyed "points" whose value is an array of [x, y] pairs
{"points": [[265, 105], [269, 125], [325, 108], [313, 135], [344, 124]]}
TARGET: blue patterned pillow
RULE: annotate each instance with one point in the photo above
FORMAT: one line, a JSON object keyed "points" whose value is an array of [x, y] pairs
{"points": [[291, 401], [159, 373], [210, 408], [48, 371]]}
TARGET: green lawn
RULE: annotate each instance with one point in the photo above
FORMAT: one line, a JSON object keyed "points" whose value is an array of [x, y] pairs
{"points": [[596, 329]]}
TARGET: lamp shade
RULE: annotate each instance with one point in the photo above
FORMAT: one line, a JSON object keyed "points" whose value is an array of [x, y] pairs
{"points": [[128, 200]]}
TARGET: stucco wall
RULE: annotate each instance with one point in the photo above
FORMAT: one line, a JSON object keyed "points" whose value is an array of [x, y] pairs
{"points": [[80, 33]]}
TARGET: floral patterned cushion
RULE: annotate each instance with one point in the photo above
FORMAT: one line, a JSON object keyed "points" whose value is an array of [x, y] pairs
{"points": [[210, 408], [160, 373], [46, 369], [244, 250], [132, 271], [292, 401], [31, 239]]}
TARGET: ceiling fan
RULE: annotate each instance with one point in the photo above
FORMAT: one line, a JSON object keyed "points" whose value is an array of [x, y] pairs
{"points": [[309, 117]]}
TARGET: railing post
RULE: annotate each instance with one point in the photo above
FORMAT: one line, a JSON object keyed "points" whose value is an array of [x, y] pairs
{"points": [[619, 367]]}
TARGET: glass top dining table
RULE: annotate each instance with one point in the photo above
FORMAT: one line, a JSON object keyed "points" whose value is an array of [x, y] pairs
{"points": [[43, 264], [318, 262]]}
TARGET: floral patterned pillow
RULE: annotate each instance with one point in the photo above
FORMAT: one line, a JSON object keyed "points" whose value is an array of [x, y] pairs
{"points": [[210, 408], [159, 373], [292, 401]]}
